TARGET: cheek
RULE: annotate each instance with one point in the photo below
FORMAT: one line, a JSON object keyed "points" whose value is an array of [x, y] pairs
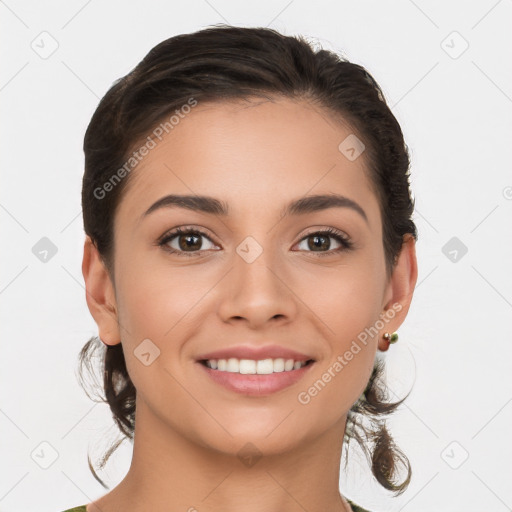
{"points": [[342, 375], [349, 304], [162, 305], [156, 300], [347, 299]]}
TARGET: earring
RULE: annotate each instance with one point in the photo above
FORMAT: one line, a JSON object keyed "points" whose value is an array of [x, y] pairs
{"points": [[391, 338]]}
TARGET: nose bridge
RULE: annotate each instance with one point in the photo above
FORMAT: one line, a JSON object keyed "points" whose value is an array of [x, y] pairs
{"points": [[257, 290], [255, 267], [255, 264]]}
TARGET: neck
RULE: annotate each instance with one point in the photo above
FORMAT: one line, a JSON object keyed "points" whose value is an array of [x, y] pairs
{"points": [[170, 470]]}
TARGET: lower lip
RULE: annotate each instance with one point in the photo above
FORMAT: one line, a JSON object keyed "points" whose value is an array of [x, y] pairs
{"points": [[256, 385]]}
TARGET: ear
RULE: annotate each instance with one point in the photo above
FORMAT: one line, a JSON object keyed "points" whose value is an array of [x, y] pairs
{"points": [[100, 295], [400, 288]]}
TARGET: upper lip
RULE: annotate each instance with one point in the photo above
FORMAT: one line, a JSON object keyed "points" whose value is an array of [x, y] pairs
{"points": [[257, 353]]}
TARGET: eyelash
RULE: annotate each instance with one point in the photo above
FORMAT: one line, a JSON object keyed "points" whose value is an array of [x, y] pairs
{"points": [[346, 243]]}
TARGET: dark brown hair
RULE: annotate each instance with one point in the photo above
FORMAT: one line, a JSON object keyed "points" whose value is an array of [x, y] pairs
{"points": [[220, 63]]}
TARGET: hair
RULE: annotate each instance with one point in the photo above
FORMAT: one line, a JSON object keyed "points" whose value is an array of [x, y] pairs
{"points": [[227, 63]]}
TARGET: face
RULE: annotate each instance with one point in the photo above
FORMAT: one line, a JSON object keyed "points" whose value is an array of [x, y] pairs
{"points": [[252, 276]]}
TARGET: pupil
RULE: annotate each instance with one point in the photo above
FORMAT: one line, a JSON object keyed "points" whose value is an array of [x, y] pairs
{"points": [[315, 243], [188, 245]]}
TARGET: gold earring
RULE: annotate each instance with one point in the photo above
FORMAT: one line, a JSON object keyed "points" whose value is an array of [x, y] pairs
{"points": [[391, 338]]}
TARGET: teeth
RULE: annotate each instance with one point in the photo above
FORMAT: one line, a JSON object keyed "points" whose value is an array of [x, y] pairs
{"points": [[265, 367], [247, 366], [252, 367], [233, 365]]}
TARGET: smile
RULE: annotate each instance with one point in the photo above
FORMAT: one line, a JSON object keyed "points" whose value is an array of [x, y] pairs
{"points": [[255, 377], [255, 367]]}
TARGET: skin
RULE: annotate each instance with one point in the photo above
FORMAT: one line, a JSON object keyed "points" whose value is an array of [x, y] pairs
{"points": [[256, 157]]}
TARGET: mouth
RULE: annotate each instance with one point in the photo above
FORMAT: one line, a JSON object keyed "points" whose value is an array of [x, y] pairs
{"points": [[255, 366], [253, 377]]}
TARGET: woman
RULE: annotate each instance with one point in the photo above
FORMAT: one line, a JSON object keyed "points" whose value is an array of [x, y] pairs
{"points": [[249, 255]]}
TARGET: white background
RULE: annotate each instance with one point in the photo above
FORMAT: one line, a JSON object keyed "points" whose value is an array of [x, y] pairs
{"points": [[455, 111]]}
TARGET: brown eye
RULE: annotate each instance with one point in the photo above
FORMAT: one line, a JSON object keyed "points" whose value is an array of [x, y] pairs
{"points": [[320, 243], [185, 242], [190, 241]]}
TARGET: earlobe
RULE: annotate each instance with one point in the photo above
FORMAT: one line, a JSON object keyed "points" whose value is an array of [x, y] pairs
{"points": [[402, 284], [99, 294]]}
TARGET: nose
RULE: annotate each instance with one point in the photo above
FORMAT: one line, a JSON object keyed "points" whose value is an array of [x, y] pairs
{"points": [[257, 293]]}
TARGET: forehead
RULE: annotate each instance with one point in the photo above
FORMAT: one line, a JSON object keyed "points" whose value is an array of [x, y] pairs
{"points": [[253, 155]]}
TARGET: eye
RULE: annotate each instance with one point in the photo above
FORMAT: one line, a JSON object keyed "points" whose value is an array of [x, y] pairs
{"points": [[186, 241], [320, 240]]}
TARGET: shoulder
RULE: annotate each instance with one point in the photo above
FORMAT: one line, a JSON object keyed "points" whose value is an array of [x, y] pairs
{"points": [[81, 508]]}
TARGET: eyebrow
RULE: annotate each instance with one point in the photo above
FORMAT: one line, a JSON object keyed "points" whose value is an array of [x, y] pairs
{"points": [[206, 204]]}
